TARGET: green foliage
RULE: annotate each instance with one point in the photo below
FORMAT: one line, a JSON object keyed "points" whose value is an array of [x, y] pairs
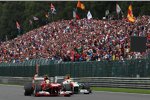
{"points": [[23, 11]]}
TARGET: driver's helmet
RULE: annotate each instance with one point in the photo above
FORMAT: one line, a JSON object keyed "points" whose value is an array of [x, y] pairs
{"points": [[45, 77], [67, 77]]}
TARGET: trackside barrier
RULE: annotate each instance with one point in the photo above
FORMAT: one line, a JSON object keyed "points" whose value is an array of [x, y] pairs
{"points": [[128, 68], [121, 82]]}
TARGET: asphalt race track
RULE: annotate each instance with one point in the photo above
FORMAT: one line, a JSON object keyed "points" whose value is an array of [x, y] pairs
{"points": [[16, 93]]}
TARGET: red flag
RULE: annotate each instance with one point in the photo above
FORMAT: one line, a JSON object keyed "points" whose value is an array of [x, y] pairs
{"points": [[17, 25], [77, 16]]}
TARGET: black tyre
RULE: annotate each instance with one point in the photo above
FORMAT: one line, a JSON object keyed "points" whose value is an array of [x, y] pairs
{"points": [[67, 87], [85, 86], [76, 90], [28, 89], [90, 91]]}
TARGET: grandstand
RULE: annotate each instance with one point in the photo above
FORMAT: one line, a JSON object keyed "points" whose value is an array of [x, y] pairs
{"points": [[88, 47], [77, 40]]}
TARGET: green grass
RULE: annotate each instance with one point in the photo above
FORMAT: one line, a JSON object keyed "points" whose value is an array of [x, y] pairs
{"points": [[126, 90]]}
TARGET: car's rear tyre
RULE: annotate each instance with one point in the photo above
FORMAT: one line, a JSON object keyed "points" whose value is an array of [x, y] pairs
{"points": [[67, 87], [85, 86], [76, 90], [28, 89], [90, 91]]}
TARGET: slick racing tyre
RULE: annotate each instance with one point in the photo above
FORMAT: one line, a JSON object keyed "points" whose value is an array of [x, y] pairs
{"points": [[67, 87], [28, 89], [86, 86]]}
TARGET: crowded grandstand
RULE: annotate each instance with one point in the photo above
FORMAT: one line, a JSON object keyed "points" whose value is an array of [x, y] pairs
{"points": [[86, 39]]}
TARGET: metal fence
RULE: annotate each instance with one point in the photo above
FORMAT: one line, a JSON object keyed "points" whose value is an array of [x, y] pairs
{"points": [[119, 82], [128, 68], [116, 82]]}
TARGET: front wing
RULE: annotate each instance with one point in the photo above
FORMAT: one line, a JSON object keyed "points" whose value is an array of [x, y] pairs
{"points": [[45, 93]]}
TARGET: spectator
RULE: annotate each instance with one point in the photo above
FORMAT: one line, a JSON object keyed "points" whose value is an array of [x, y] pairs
{"points": [[80, 40]]}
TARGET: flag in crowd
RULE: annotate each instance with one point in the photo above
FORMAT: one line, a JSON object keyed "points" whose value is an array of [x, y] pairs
{"points": [[118, 9], [53, 10], [106, 12], [35, 18], [130, 16], [75, 15], [17, 25], [46, 15], [30, 22], [80, 5], [89, 15]]}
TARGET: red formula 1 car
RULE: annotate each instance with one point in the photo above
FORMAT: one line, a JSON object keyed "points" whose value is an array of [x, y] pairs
{"points": [[42, 86]]}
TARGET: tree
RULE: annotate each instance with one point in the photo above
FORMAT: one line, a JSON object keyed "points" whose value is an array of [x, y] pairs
{"points": [[24, 11]]}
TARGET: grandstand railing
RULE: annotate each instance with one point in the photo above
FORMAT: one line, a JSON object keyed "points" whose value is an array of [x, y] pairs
{"points": [[127, 68]]}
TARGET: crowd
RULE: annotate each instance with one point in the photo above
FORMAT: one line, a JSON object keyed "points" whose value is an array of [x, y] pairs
{"points": [[77, 40]]}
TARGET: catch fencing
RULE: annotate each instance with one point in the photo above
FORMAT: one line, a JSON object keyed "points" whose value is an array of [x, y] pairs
{"points": [[127, 68]]}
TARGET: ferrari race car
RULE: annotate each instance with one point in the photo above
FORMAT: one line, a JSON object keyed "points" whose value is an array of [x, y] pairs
{"points": [[44, 87], [72, 86]]}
